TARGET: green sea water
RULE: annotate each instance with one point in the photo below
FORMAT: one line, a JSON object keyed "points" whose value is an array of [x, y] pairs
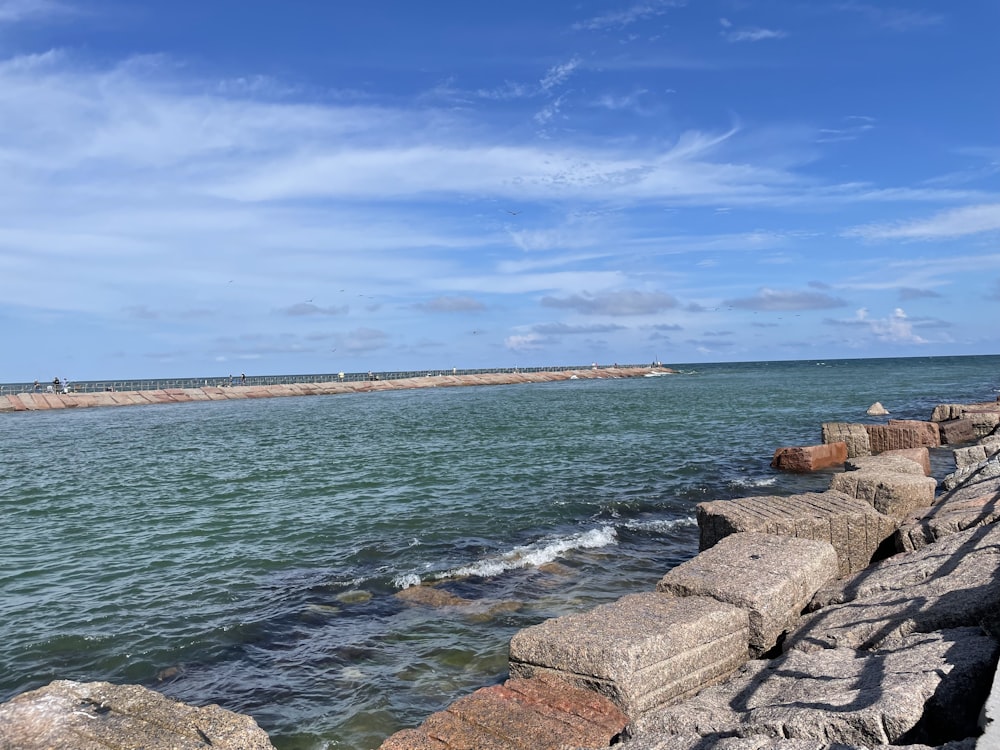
{"points": [[250, 553]]}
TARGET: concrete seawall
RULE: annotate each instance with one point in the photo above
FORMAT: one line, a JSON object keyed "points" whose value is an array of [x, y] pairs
{"points": [[42, 401]]}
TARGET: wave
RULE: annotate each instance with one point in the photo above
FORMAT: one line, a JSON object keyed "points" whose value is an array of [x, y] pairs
{"points": [[661, 526], [753, 481], [532, 555]]}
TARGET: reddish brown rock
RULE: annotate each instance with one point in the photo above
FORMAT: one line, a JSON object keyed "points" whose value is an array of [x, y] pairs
{"points": [[962, 430], [522, 714], [901, 434], [931, 429], [810, 457]]}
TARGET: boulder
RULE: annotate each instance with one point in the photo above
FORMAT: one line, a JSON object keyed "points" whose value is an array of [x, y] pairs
{"points": [[536, 714], [854, 435], [927, 688], [810, 458], [953, 583], [852, 526], [771, 577], [876, 410], [102, 716], [953, 512], [643, 651], [890, 493]]}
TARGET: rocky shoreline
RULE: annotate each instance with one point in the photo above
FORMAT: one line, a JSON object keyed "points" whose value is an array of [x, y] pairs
{"points": [[864, 616], [43, 401]]}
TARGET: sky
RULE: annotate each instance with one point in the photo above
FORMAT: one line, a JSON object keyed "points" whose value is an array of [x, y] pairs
{"points": [[196, 188]]}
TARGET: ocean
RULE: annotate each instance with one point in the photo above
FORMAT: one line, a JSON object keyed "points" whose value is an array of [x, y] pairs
{"points": [[251, 553]]}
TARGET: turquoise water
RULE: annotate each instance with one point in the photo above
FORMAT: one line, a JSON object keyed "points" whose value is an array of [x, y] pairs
{"points": [[249, 553]]}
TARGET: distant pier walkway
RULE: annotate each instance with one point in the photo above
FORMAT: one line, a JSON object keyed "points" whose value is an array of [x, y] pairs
{"points": [[28, 399]]}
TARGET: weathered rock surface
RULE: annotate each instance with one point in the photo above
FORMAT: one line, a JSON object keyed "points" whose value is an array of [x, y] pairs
{"points": [[973, 474], [953, 583], [642, 651], [892, 463], [771, 577], [921, 456], [854, 435], [536, 714], [974, 454], [678, 742], [900, 433], [892, 494], [810, 457], [927, 688], [964, 507], [958, 431], [852, 526], [102, 716]]}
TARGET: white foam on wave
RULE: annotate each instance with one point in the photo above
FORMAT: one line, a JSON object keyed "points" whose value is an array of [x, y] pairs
{"points": [[405, 580], [662, 525], [534, 555], [754, 481]]}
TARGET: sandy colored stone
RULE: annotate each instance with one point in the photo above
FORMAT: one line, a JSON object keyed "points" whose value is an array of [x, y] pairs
{"points": [[928, 688], [102, 716], [854, 435], [771, 577], [890, 493], [642, 651], [852, 526]]}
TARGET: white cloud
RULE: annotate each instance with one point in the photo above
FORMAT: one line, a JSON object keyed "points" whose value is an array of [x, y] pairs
{"points": [[558, 74], [622, 18], [16, 11], [524, 342], [753, 35], [957, 222]]}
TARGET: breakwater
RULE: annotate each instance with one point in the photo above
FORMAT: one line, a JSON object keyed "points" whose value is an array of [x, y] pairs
{"points": [[40, 400]]}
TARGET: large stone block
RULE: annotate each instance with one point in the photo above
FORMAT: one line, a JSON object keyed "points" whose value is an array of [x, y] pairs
{"points": [[771, 577], [536, 714], [854, 435], [921, 456], [642, 651], [953, 583], [99, 716], [974, 454], [977, 505], [852, 526], [901, 434], [928, 688], [885, 463], [931, 432], [973, 474], [810, 457], [892, 494], [956, 431]]}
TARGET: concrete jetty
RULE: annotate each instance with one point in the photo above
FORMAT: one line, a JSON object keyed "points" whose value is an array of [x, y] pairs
{"points": [[41, 401]]}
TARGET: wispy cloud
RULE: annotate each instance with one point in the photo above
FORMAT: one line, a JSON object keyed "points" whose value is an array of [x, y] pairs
{"points": [[451, 305], [308, 308], [15, 11], [786, 300], [558, 74], [894, 19], [625, 302], [621, 18], [957, 222], [752, 34]]}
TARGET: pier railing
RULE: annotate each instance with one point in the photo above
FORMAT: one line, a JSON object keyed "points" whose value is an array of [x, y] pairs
{"points": [[93, 386]]}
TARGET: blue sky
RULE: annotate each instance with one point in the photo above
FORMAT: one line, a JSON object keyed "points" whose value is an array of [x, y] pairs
{"points": [[200, 188]]}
